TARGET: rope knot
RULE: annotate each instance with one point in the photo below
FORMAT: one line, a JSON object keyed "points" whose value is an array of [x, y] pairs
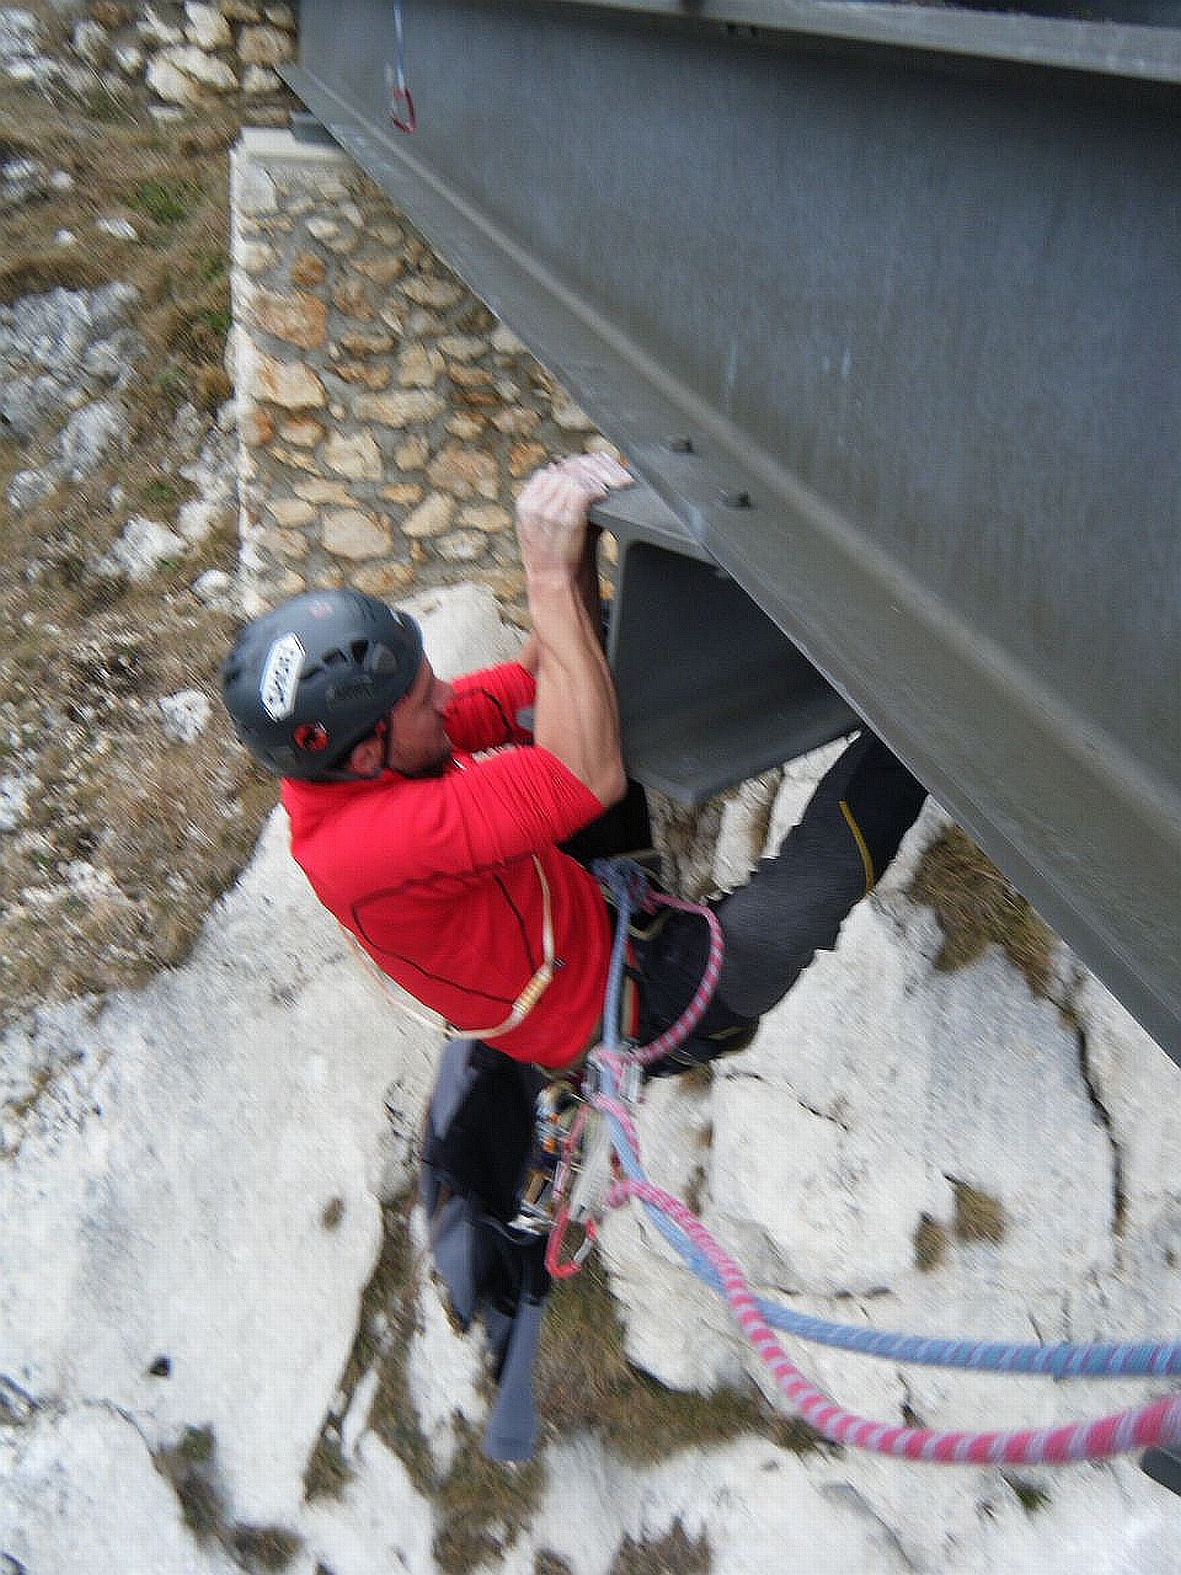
{"points": [[628, 883]]}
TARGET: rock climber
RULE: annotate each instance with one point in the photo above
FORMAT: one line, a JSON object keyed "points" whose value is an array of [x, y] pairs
{"points": [[446, 825]]}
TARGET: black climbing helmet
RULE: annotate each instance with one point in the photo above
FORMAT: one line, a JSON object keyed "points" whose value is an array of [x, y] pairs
{"points": [[306, 682]]}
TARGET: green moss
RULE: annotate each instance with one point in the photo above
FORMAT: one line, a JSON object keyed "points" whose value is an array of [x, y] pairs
{"points": [[162, 492], [100, 104], [197, 1445], [695, 1189], [189, 1466]]}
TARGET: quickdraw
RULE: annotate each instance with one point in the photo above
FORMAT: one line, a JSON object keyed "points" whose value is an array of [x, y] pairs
{"points": [[401, 105]]}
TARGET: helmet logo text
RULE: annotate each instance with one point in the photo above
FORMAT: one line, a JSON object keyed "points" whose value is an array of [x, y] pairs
{"points": [[280, 677]]}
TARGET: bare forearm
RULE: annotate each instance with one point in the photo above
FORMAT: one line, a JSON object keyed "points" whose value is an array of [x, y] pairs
{"points": [[576, 716], [575, 712], [587, 586]]}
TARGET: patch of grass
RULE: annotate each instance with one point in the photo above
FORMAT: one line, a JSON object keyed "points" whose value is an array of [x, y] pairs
{"points": [[210, 264], [978, 1216], [166, 200], [695, 1189], [327, 1473], [482, 1506], [173, 386], [38, 272], [216, 320], [212, 388], [211, 806], [191, 1466], [107, 108], [676, 1553], [977, 907], [188, 1465], [584, 1380], [162, 493], [196, 1446], [385, 1325], [930, 1243], [39, 1083], [263, 1547], [196, 327], [547, 1563]]}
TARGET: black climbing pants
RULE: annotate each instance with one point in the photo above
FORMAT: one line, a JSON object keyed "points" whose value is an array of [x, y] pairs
{"points": [[792, 907]]}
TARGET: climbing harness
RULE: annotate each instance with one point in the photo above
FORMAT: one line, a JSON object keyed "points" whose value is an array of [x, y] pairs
{"points": [[401, 105], [610, 1172], [535, 988], [542, 977]]}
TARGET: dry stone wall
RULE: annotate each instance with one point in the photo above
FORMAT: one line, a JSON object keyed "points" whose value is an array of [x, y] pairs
{"points": [[386, 418], [190, 54], [186, 56]]}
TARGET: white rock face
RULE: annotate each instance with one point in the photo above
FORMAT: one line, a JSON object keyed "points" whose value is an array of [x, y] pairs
{"points": [[28, 487], [20, 41], [14, 798], [187, 1175], [193, 1171], [83, 1479], [88, 435], [184, 715], [215, 588], [129, 59], [142, 546]]}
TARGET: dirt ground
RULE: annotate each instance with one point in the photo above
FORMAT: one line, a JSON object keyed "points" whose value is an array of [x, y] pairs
{"points": [[125, 837]]}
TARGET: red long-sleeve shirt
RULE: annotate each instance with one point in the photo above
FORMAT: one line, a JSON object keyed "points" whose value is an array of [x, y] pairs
{"points": [[435, 876]]}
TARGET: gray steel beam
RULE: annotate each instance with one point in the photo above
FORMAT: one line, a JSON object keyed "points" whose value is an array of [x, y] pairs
{"points": [[1115, 39], [919, 304]]}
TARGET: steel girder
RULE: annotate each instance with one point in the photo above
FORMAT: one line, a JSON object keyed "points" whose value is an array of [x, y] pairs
{"points": [[881, 303]]}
